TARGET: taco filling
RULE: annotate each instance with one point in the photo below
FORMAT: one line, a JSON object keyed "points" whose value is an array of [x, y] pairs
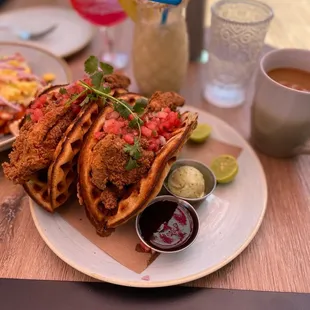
{"points": [[127, 146], [47, 119]]}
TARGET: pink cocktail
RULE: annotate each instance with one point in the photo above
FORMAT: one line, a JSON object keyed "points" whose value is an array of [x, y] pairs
{"points": [[104, 13]]}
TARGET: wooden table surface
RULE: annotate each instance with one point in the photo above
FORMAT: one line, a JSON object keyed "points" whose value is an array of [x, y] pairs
{"points": [[278, 259]]}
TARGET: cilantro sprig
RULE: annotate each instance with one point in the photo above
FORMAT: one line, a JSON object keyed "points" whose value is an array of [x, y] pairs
{"points": [[134, 152], [97, 71], [74, 97]]}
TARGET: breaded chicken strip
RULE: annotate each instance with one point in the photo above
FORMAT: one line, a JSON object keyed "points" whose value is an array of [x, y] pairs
{"points": [[117, 80], [108, 168], [34, 148], [161, 100]]}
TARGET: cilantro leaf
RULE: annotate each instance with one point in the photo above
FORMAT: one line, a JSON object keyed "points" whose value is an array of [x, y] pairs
{"points": [[63, 91], [93, 96], [130, 149], [97, 79], [105, 90], [123, 109], [133, 150], [85, 101], [73, 98], [131, 164], [135, 123], [140, 105], [91, 65], [68, 103], [28, 117], [106, 68]]}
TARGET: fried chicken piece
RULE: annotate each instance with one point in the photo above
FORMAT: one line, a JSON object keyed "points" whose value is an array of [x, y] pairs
{"points": [[109, 162], [161, 100], [117, 80], [34, 148], [109, 197]]}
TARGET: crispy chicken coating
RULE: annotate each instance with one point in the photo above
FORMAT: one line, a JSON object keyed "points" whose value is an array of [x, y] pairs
{"points": [[108, 167], [34, 148], [109, 197], [117, 80], [161, 100]]}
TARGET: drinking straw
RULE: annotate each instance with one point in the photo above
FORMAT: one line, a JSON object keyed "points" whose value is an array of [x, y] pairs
{"points": [[172, 2], [164, 16]]}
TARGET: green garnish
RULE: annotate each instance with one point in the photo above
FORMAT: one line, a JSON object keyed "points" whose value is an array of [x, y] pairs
{"points": [[124, 109], [97, 71], [85, 101], [131, 164], [63, 91], [97, 79], [140, 105], [106, 68], [74, 97], [134, 152], [91, 65], [136, 123]]}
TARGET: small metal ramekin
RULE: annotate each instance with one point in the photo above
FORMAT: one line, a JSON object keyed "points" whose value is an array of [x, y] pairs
{"points": [[209, 177], [180, 201]]}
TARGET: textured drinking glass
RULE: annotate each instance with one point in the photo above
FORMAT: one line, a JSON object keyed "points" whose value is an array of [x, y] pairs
{"points": [[160, 52], [238, 30]]}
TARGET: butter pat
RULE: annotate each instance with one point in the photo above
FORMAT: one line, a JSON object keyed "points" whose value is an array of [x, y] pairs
{"points": [[187, 182]]}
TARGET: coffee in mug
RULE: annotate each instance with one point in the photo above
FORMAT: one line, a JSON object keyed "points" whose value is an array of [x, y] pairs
{"points": [[281, 105]]}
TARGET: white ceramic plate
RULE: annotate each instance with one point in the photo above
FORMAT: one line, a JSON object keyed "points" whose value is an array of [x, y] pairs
{"points": [[227, 226], [40, 61], [71, 35]]}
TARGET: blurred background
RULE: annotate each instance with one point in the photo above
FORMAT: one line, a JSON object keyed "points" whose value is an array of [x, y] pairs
{"points": [[291, 19]]}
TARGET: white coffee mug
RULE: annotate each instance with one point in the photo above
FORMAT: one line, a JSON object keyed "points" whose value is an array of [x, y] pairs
{"points": [[281, 115]]}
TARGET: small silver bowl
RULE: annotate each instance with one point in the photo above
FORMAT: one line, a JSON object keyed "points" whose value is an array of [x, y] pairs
{"points": [[208, 175], [193, 235]]}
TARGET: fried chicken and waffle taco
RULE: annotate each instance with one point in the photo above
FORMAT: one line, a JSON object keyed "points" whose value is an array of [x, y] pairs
{"points": [[128, 153], [45, 153]]}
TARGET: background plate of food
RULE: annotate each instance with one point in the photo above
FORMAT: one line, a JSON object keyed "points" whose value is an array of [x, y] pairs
{"points": [[25, 70]]}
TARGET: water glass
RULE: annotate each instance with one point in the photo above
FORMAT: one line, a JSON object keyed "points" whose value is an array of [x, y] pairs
{"points": [[238, 30]]}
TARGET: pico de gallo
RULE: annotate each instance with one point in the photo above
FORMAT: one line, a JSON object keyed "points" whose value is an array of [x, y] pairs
{"points": [[157, 127]]}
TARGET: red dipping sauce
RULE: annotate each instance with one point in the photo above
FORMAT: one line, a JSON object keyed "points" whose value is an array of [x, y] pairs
{"points": [[168, 224]]}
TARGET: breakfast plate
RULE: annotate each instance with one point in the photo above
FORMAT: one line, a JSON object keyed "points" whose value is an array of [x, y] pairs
{"points": [[229, 219], [71, 34], [41, 62]]}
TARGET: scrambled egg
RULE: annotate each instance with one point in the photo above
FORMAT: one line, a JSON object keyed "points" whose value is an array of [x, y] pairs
{"points": [[19, 92], [49, 77], [17, 83]]}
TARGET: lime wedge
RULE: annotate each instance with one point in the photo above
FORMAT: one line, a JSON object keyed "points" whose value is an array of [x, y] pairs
{"points": [[201, 133], [130, 8], [225, 168]]}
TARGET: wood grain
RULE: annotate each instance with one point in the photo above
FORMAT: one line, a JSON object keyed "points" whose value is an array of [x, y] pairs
{"points": [[276, 260]]}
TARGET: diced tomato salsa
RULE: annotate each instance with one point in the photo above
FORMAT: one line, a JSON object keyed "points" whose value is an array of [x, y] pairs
{"points": [[35, 111], [157, 127]]}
